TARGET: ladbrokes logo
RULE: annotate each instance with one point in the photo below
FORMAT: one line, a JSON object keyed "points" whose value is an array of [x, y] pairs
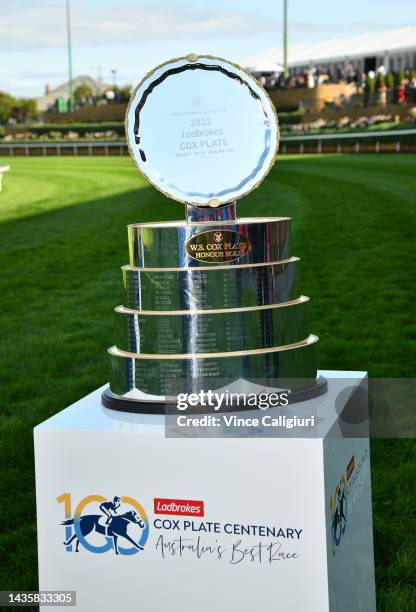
{"points": [[180, 507], [100, 524]]}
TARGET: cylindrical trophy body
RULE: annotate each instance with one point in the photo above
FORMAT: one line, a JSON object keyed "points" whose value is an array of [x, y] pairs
{"points": [[183, 245], [133, 375], [212, 331], [210, 287], [209, 303]]}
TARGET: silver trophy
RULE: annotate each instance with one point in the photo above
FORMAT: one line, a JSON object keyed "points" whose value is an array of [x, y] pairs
{"points": [[212, 300]]}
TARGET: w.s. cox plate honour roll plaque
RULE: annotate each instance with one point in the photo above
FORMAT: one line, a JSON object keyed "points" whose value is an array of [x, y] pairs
{"points": [[213, 299]]}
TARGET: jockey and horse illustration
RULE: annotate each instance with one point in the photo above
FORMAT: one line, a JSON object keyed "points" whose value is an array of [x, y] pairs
{"points": [[115, 527], [339, 516]]}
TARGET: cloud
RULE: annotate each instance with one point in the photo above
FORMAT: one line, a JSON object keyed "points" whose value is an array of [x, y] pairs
{"points": [[41, 24]]}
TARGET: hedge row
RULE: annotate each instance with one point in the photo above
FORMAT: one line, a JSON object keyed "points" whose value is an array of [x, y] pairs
{"points": [[81, 128], [115, 126]]}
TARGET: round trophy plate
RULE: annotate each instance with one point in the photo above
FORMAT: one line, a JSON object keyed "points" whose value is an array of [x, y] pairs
{"points": [[202, 130]]}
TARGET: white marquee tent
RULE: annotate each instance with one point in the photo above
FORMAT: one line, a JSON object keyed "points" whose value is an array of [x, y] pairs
{"points": [[395, 49]]}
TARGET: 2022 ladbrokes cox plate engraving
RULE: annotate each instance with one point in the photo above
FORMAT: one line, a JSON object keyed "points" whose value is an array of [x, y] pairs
{"points": [[202, 130]]}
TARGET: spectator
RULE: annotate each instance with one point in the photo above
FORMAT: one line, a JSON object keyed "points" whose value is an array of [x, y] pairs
{"points": [[310, 79], [399, 86], [401, 94]]}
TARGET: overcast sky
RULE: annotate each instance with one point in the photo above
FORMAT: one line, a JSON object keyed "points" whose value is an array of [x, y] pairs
{"points": [[132, 36]]}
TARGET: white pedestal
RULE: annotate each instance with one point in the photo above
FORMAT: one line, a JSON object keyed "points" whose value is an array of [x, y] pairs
{"points": [[267, 515]]}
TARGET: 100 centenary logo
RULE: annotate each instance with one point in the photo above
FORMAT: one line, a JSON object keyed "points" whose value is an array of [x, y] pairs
{"points": [[119, 525], [100, 524]]}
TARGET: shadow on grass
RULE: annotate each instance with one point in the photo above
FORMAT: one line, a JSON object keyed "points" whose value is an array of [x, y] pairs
{"points": [[60, 282]]}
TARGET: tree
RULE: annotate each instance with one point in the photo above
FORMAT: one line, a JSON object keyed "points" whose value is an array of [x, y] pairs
{"points": [[121, 94], [27, 108], [83, 95], [20, 109], [399, 78], [368, 90], [124, 93], [389, 80], [379, 82], [6, 106]]}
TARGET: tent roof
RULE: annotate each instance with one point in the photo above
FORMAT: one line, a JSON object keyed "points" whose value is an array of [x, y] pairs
{"points": [[373, 43], [265, 65]]}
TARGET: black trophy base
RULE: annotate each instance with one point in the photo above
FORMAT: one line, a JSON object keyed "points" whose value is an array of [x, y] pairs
{"points": [[116, 402]]}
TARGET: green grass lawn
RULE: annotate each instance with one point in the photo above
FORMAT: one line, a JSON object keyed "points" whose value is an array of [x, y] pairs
{"points": [[62, 241]]}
